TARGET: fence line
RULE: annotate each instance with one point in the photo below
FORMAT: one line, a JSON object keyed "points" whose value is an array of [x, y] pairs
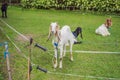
{"points": [[82, 76], [15, 30], [92, 52], [97, 52]]}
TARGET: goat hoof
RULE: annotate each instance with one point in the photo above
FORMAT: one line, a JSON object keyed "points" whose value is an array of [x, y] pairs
{"points": [[71, 59], [60, 67], [55, 66]]}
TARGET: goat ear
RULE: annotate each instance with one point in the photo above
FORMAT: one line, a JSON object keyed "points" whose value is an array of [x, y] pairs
{"points": [[49, 34], [49, 30], [51, 24]]}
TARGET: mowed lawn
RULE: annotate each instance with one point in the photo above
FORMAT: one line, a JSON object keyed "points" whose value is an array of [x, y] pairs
{"points": [[86, 66]]}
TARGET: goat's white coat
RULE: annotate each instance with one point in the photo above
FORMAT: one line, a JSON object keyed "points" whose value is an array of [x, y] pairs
{"points": [[66, 37], [102, 30]]}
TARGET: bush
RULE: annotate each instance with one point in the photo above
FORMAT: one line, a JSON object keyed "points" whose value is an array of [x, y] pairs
{"points": [[85, 5]]}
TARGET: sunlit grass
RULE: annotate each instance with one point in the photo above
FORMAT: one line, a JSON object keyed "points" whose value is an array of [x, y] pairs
{"points": [[35, 24]]}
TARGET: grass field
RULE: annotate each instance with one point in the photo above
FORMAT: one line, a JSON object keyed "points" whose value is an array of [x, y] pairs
{"points": [[86, 66]]}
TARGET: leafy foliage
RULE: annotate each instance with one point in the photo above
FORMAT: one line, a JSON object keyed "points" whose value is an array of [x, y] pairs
{"points": [[92, 5]]}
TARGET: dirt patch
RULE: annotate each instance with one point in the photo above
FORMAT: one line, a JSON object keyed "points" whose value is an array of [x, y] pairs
{"points": [[21, 39]]}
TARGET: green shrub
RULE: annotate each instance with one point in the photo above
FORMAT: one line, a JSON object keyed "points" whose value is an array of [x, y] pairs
{"points": [[85, 5]]}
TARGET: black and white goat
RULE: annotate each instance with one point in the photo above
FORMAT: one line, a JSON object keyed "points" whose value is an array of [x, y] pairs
{"points": [[76, 33], [60, 39]]}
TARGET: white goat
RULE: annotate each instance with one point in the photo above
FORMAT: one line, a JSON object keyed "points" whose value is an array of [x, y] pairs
{"points": [[103, 29], [60, 39]]}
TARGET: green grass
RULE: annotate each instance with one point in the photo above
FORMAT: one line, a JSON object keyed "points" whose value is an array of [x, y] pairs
{"points": [[36, 23]]}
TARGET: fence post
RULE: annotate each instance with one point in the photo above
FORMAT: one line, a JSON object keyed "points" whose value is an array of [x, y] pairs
{"points": [[29, 59], [6, 53], [28, 68]]}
